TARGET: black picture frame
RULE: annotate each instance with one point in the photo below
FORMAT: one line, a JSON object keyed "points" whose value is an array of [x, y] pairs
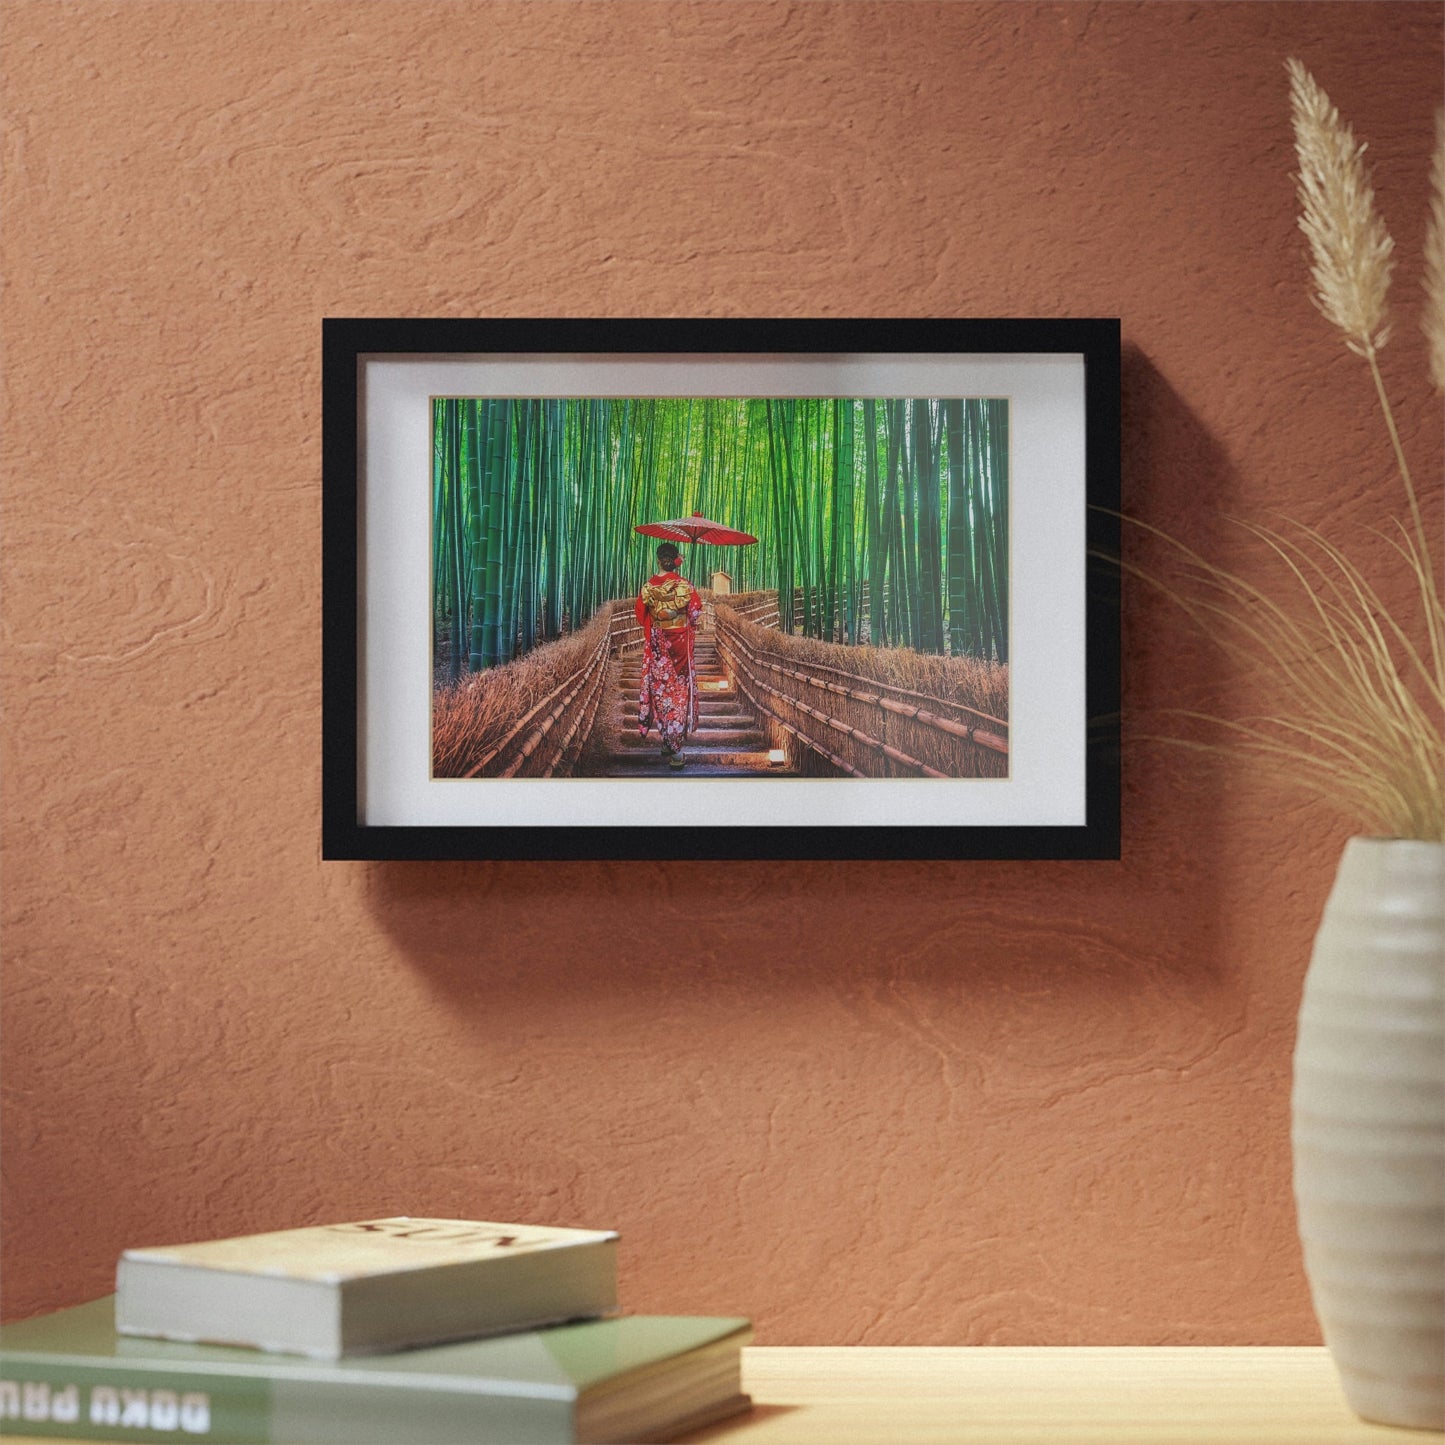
{"points": [[349, 344]]}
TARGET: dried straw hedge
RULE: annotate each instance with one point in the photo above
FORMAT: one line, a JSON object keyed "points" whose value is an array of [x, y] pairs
{"points": [[474, 716], [745, 600]]}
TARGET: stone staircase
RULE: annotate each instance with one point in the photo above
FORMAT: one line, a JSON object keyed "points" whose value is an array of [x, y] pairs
{"points": [[729, 740]]}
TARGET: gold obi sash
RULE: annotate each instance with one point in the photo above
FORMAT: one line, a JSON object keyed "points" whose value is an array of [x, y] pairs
{"points": [[666, 603]]}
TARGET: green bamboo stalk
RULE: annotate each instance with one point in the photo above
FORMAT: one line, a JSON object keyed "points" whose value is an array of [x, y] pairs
{"points": [[910, 499], [602, 514], [978, 525], [584, 562], [498, 432], [998, 416], [820, 465], [957, 527], [750, 571], [782, 511], [477, 415], [522, 461], [455, 529], [900, 608], [627, 452], [527, 582], [853, 585], [930, 551], [938, 444], [438, 519], [873, 512], [558, 516], [989, 593], [796, 450]]}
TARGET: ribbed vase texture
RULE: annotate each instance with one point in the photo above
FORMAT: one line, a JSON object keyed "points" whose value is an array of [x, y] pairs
{"points": [[1369, 1129]]}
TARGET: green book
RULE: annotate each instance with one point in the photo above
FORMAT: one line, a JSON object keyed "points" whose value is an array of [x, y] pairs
{"points": [[639, 1378]]}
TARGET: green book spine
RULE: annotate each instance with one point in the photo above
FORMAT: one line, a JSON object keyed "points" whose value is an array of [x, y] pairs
{"points": [[130, 1402], [79, 1402]]}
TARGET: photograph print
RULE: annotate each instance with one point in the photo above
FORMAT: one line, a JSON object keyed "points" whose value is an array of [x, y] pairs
{"points": [[676, 587]]}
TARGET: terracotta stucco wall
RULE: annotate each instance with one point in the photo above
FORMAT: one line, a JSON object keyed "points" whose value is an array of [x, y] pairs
{"points": [[887, 1103]]}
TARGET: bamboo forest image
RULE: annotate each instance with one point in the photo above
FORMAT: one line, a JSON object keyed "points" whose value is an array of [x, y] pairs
{"points": [[712, 586]]}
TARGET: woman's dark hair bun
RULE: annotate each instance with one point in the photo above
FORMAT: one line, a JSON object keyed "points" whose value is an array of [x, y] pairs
{"points": [[667, 552]]}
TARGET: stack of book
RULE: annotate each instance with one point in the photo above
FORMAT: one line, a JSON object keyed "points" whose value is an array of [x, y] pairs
{"points": [[383, 1332]]}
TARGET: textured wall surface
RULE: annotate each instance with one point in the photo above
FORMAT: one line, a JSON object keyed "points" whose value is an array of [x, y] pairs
{"points": [[886, 1103]]}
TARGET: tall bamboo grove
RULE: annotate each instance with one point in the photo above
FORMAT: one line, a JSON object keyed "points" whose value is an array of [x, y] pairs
{"points": [[882, 522]]}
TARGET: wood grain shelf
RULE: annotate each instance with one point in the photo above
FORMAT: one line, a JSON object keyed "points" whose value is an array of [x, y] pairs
{"points": [[1168, 1395]]}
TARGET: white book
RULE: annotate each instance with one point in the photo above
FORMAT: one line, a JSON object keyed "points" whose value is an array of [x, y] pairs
{"points": [[333, 1290]]}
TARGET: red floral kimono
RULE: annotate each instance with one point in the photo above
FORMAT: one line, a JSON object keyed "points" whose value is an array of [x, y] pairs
{"points": [[668, 608]]}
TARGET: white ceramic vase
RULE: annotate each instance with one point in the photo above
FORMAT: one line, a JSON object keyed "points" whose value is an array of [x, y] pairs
{"points": [[1369, 1129]]}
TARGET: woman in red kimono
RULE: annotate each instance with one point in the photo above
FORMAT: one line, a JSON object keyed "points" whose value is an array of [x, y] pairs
{"points": [[668, 608]]}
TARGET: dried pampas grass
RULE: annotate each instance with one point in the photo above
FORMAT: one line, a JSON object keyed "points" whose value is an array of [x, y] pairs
{"points": [[1434, 319], [1360, 689], [1359, 705], [1351, 249]]}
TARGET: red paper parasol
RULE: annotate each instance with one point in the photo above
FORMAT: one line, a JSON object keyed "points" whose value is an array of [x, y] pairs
{"points": [[696, 528]]}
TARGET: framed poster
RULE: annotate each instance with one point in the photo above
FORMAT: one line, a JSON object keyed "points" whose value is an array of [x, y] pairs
{"points": [[720, 589]]}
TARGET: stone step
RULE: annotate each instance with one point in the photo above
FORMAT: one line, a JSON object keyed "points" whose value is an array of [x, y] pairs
{"points": [[704, 697], [708, 721], [711, 685], [709, 666], [749, 738], [628, 687], [706, 702], [628, 693], [704, 674], [718, 717], [701, 762]]}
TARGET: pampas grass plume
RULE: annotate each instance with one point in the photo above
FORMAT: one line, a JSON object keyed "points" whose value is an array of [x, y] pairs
{"points": [[1434, 318], [1349, 245]]}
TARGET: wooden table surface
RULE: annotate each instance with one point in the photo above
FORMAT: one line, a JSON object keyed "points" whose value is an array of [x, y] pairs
{"points": [[1187, 1395], [1043, 1396]]}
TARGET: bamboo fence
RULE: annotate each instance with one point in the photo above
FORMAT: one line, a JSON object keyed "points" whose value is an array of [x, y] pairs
{"points": [[864, 727]]}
